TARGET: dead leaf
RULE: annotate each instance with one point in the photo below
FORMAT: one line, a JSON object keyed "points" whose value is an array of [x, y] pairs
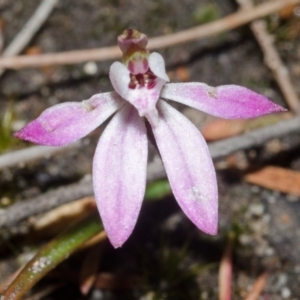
{"points": [[89, 268], [285, 218], [111, 281], [221, 129], [47, 70], [1, 35], [52, 222], [258, 287], [182, 74], [287, 12], [34, 50], [277, 179]]}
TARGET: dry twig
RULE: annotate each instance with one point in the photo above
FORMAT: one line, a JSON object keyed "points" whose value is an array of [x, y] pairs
{"points": [[272, 59], [225, 271], [1, 36], [258, 287], [225, 24], [52, 199], [89, 268], [30, 29], [99, 238], [24, 209], [254, 138], [20, 157]]}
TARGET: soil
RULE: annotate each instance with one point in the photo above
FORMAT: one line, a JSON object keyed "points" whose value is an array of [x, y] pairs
{"points": [[265, 223]]}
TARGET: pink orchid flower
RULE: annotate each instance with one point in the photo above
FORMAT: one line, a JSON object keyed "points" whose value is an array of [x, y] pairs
{"points": [[120, 161]]}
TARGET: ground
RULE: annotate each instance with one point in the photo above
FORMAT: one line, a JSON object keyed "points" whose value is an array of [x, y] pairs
{"points": [[265, 222]]}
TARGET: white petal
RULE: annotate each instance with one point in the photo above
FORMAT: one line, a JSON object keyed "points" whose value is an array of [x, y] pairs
{"points": [[144, 99], [189, 167], [157, 66], [120, 78], [119, 173]]}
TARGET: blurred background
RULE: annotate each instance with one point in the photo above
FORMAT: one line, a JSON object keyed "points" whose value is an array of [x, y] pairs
{"points": [[166, 257]]}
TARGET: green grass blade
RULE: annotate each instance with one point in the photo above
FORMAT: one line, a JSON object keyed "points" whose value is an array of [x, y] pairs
{"points": [[51, 255], [158, 189]]}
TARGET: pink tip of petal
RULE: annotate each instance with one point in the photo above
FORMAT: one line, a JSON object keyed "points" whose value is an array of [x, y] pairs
{"points": [[246, 103], [39, 133], [34, 132]]}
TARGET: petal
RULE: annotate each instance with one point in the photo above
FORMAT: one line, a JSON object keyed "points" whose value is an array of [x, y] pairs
{"points": [[130, 38], [119, 173], [143, 98], [119, 76], [189, 167], [157, 66], [226, 101], [67, 122]]}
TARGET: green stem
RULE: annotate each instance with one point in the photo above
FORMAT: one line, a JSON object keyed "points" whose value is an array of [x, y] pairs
{"points": [[51, 255]]}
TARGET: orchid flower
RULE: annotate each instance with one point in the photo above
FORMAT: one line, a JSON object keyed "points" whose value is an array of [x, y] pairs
{"points": [[120, 161]]}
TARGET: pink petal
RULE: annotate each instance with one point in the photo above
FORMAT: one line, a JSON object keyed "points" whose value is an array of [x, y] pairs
{"points": [[119, 173], [226, 101], [189, 167], [67, 122], [130, 38]]}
